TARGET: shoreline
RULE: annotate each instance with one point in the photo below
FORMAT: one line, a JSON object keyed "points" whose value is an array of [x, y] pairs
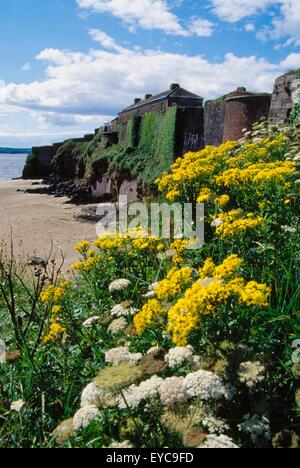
{"points": [[39, 221]]}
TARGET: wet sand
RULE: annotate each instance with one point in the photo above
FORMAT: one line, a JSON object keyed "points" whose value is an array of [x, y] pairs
{"points": [[39, 221]]}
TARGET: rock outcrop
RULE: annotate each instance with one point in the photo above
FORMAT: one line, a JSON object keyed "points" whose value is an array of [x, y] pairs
{"points": [[284, 97]]}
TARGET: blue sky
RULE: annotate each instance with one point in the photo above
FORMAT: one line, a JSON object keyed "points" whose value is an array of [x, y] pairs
{"points": [[69, 65]]}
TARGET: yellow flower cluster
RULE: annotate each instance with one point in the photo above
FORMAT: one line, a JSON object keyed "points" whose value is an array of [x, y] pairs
{"points": [[55, 329], [194, 169], [88, 264], [205, 195], [133, 240], [150, 314], [222, 201], [54, 294], [216, 288], [176, 281], [233, 223], [82, 247], [229, 267], [55, 332], [258, 174]]}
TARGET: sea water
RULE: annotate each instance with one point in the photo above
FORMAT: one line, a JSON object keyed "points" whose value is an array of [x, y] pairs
{"points": [[11, 165]]}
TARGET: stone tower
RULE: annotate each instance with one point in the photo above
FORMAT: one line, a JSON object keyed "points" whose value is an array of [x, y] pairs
{"points": [[242, 110]]}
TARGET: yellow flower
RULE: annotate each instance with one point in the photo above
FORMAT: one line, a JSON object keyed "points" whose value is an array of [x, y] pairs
{"points": [[148, 315], [175, 282], [255, 294], [222, 201], [55, 332], [234, 224], [82, 247], [228, 267], [205, 195], [56, 310]]}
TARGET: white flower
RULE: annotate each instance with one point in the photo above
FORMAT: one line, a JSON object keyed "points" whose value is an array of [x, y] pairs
{"points": [[122, 354], [153, 286], [121, 311], [215, 425], [135, 394], [17, 406], [258, 427], [173, 390], [217, 222], [2, 352], [91, 321], [179, 355], [119, 285], [84, 417], [218, 442], [251, 373], [121, 445], [206, 385], [297, 158], [289, 229], [117, 325], [149, 295], [94, 396]]}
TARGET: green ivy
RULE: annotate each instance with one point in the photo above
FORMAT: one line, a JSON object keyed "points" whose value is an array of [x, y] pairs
{"points": [[148, 150]]}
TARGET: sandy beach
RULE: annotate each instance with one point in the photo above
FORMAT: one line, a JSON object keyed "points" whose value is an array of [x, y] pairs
{"points": [[39, 221]]}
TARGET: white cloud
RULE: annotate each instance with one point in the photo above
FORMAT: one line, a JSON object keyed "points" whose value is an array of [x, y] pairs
{"points": [[26, 67], [292, 62], [81, 90], [146, 14], [285, 19], [289, 23], [201, 27], [235, 10], [250, 27]]}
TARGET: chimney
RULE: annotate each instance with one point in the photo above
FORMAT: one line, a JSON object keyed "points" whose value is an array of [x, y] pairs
{"points": [[148, 96], [174, 86], [137, 100]]}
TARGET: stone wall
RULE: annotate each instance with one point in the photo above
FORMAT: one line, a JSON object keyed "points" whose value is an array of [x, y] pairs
{"points": [[284, 96], [214, 120], [242, 111]]}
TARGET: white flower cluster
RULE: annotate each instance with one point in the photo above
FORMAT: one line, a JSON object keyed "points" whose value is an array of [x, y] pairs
{"points": [[251, 373], [214, 425], [84, 417], [218, 442], [121, 445], [289, 229], [179, 355], [17, 406], [120, 310], [117, 325], [94, 396], [119, 285], [122, 354], [205, 385], [258, 427], [91, 321], [135, 394], [173, 390]]}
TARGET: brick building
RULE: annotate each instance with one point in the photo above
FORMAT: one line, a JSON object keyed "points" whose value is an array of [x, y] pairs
{"points": [[173, 97]]}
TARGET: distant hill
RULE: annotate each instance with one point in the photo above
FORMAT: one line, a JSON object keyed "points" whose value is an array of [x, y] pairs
{"points": [[14, 150]]}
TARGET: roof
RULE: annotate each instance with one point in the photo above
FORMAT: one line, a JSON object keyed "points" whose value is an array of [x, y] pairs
{"points": [[178, 93]]}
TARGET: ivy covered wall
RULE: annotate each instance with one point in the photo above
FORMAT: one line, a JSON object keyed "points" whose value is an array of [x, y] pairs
{"points": [[148, 150]]}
